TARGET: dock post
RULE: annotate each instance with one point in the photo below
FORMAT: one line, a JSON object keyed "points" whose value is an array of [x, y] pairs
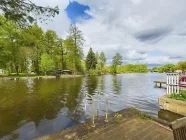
{"points": [[155, 85]]}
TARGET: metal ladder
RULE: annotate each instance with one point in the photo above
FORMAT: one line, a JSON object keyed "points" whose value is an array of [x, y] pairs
{"points": [[93, 114]]}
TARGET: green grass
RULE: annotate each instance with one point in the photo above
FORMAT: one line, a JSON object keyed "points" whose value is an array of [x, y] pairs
{"points": [[21, 75], [181, 96], [142, 115]]}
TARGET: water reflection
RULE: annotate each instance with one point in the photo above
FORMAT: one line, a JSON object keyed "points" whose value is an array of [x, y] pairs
{"points": [[32, 108], [91, 84], [30, 85], [116, 84], [39, 109]]}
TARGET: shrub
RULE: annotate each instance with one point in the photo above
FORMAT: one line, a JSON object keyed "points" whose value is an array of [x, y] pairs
{"points": [[181, 96]]}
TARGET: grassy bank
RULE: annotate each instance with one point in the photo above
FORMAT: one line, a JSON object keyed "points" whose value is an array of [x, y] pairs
{"points": [[23, 75], [181, 96]]}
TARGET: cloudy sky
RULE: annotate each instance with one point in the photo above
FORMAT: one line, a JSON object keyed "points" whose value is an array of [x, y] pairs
{"points": [[142, 31]]}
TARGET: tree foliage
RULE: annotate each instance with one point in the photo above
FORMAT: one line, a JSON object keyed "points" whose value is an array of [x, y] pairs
{"points": [[182, 66], [102, 60], [129, 68], [47, 63], [171, 67], [22, 49], [116, 61], [91, 60], [76, 39], [25, 12]]}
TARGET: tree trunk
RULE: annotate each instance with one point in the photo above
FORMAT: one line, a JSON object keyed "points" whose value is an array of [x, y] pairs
{"points": [[17, 69], [36, 64]]}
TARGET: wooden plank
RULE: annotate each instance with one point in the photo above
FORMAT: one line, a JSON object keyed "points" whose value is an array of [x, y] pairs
{"points": [[179, 123], [160, 82]]}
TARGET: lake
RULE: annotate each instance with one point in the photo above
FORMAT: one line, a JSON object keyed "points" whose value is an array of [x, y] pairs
{"points": [[35, 107]]}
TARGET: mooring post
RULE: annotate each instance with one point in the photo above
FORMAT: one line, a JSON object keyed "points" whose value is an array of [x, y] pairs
{"points": [[155, 84]]}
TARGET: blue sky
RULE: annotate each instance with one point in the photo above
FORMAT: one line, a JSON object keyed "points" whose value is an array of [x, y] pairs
{"points": [[75, 11]]}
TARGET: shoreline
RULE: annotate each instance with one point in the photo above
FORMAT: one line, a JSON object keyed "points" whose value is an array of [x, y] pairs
{"points": [[52, 77], [39, 77]]}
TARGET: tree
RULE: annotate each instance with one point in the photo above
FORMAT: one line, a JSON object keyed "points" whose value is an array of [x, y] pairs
{"points": [[169, 68], [91, 60], [47, 63], [24, 12], [102, 60], [33, 37], [50, 41], [60, 50], [182, 66], [10, 42], [116, 61], [75, 35]]}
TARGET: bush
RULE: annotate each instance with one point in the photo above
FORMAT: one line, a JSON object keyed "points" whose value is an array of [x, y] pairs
{"points": [[92, 72], [181, 96]]}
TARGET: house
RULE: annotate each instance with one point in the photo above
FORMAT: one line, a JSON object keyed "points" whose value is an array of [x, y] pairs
{"points": [[178, 71], [2, 71]]}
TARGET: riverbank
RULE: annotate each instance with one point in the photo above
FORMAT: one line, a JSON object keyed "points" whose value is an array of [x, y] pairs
{"points": [[16, 77], [126, 124]]}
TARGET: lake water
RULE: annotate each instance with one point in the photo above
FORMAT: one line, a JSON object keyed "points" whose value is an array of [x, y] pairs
{"points": [[32, 108]]}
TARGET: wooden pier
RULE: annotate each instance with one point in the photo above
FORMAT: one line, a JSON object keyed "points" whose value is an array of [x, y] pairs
{"points": [[158, 84], [128, 124]]}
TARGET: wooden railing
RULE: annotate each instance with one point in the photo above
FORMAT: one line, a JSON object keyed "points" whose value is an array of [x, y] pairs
{"points": [[179, 129]]}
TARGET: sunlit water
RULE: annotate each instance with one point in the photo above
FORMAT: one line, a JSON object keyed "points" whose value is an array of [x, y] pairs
{"points": [[32, 108]]}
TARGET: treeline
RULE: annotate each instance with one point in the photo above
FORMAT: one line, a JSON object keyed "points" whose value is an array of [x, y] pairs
{"points": [[129, 68], [171, 67], [95, 64], [23, 50], [30, 49]]}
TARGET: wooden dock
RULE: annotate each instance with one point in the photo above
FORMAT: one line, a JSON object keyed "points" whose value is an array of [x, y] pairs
{"points": [[128, 124], [158, 84]]}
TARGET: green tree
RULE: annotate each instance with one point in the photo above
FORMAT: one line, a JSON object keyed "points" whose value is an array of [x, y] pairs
{"points": [[155, 69], [91, 60], [33, 37], [76, 52], [50, 38], [10, 43], [182, 66], [116, 61], [169, 68], [47, 63], [161, 69], [25, 12], [61, 51], [102, 60]]}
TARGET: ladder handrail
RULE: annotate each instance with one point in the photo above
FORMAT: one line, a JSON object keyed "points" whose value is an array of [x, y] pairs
{"points": [[106, 114], [93, 124]]}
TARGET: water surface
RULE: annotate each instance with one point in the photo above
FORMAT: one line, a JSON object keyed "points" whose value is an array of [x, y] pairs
{"points": [[32, 108]]}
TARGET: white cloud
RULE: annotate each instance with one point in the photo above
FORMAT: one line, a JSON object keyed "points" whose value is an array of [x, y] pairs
{"points": [[132, 28]]}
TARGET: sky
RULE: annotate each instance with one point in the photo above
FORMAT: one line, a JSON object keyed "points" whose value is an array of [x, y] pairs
{"points": [[149, 32]]}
